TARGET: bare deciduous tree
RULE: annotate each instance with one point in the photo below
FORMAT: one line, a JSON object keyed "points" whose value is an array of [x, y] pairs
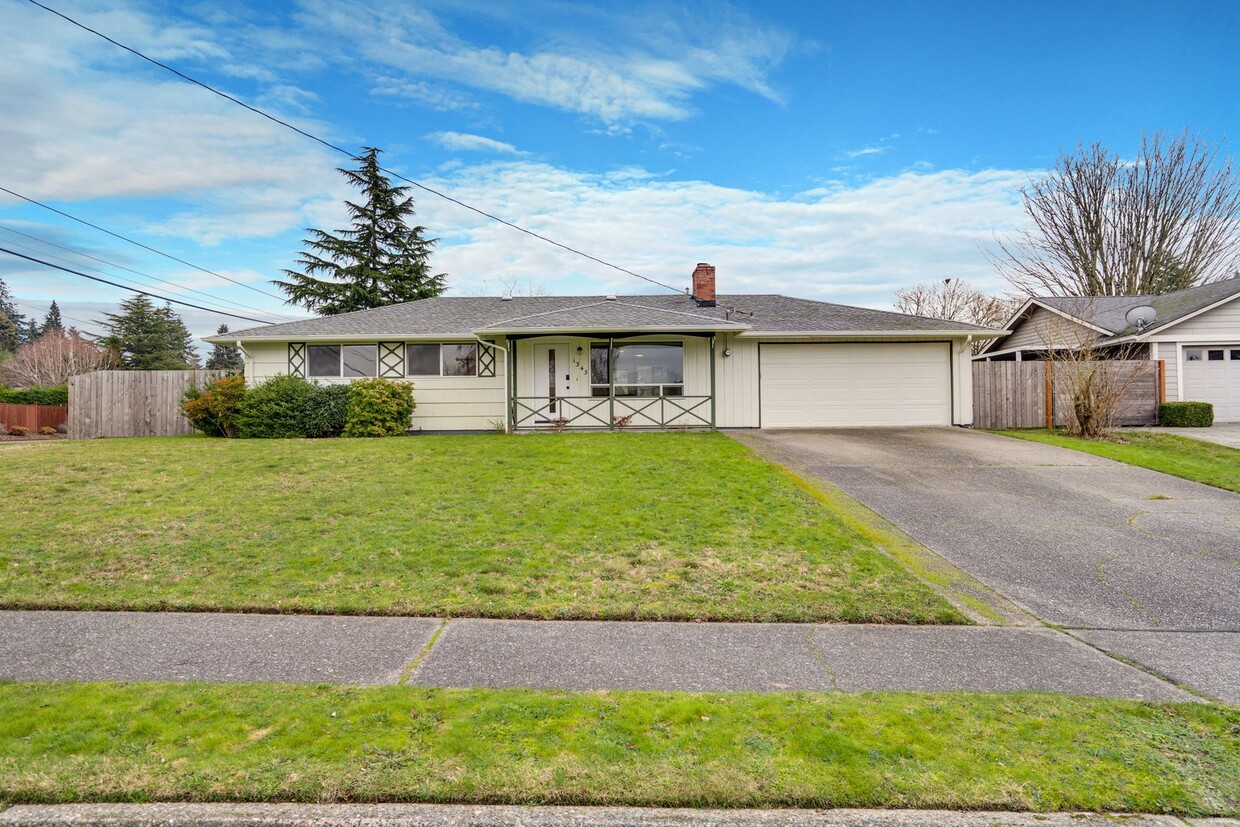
{"points": [[1093, 381], [955, 300], [53, 357], [1102, 226]]}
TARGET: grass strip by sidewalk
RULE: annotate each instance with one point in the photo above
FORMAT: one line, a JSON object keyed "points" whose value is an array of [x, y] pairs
{"points": [[630, 526], [193, 742], [1191, 459]]}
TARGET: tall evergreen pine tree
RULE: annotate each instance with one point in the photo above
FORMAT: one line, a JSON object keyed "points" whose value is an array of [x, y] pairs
{"points": [[52, 320], [380, 260], [12, 323], [223, 357], [146, 337]]}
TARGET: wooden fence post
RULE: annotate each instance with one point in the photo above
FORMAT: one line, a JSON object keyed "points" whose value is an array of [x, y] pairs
{"points": [[1050, 394]]}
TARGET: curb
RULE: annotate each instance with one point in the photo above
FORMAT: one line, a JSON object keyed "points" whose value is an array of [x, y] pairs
{"points": [[458, 815]]}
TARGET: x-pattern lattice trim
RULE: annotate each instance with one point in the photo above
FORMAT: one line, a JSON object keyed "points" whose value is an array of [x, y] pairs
{"points": [[297, 359]]}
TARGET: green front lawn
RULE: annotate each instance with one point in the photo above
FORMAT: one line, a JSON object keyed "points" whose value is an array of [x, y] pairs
{"points": [[1178, 456], [668, 526], [142, 742]]}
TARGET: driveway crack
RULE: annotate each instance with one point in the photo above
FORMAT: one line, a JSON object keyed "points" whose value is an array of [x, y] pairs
{"points": [[1106, 581]]}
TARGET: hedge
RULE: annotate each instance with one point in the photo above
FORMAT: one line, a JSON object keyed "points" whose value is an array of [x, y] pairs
{"points": [[35, 396], [1186, 414]]}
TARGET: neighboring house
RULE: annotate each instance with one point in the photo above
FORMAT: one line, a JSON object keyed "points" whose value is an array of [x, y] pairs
{"points": [[1196, 332], [692, 360]]}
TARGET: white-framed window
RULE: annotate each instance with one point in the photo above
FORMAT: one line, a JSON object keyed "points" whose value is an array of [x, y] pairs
{"points": [[336, 361], [638, 369], [1192, 354], [455, 359]]}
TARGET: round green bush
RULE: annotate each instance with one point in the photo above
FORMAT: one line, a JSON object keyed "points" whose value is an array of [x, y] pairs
{"points": [[277, 409], [379, 407], [329, 409]]}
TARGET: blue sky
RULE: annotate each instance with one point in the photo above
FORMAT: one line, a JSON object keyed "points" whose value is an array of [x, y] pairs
{"points": [[830, 150]]}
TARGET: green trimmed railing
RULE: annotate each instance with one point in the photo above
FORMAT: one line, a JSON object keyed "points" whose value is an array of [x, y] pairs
{"points": [[611, 412]]}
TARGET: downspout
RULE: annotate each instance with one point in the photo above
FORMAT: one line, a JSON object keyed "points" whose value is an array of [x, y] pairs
{"points": [[245, 355], [507, 403]]}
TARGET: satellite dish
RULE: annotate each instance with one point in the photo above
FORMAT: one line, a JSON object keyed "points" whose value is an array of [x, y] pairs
{"points": [[1141, 316]]}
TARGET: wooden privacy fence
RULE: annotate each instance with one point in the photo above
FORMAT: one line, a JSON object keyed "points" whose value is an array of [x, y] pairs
{"points": [[33, 417], [132, 402], [1026, 395]]}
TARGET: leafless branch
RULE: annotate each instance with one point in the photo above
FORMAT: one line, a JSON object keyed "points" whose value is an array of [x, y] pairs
{"points": [[1167, 220]]}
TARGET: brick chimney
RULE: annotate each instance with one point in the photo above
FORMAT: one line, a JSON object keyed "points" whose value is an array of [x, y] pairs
{"points": [[704, 285]]}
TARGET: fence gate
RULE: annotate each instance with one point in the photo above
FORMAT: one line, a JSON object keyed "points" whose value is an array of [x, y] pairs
{"points": [[132, 402]]}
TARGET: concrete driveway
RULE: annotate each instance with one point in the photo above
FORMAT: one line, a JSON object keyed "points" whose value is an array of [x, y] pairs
{"points": [[1080, 541], [1224, 433]]}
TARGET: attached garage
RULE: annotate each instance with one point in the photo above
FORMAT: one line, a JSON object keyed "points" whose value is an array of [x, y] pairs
{"points": [[1212, 374], [852, 384]]}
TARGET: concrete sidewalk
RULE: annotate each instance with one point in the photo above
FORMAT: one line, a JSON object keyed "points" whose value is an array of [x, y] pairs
{"points": [[460, 815], [580, 655]]}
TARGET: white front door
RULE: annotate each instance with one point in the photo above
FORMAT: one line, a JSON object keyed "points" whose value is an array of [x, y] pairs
{"points": [[551, 381]]}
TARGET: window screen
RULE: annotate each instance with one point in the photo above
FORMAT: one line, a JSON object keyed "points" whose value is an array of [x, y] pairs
{"points": [[421, 360], [324, 360]]}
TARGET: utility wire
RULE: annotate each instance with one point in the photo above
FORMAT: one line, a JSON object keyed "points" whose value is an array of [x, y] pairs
{"points": [[38, 312], [124, 282], [140, 244], [341, 149], [131, 289], [179, 288]]}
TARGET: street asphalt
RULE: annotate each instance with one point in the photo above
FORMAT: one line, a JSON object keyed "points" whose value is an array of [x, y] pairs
{"points": [[1108, 549], [460, 815], [581, 655]]}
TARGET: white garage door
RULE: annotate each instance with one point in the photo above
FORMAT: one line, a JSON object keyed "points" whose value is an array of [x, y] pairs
{"points": [[841, 385], [1212, 374]]}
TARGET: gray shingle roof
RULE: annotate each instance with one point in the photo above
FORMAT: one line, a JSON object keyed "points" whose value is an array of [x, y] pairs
{"points": [[1107, 312], [461, 316]]}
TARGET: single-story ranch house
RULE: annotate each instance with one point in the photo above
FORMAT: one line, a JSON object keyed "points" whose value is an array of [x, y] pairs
{"points": [[1196, 332], [692, 360]]}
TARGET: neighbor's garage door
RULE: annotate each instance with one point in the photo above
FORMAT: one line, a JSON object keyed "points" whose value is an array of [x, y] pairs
{"points": [[840, 385], [1212, 374]]}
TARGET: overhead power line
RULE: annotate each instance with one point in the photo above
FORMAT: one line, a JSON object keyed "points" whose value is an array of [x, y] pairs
{"points": [[340, 149], [37, 311], [179, 288], [140, 244], [131, 289]]}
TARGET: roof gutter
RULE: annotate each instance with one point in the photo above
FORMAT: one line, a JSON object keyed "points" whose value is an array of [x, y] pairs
{"points": [[871, 334]]}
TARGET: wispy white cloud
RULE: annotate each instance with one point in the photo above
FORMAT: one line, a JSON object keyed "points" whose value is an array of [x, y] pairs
{"points": [[649, 69], [426, 94], [842, 242], [864, 151], [464, 142]]}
